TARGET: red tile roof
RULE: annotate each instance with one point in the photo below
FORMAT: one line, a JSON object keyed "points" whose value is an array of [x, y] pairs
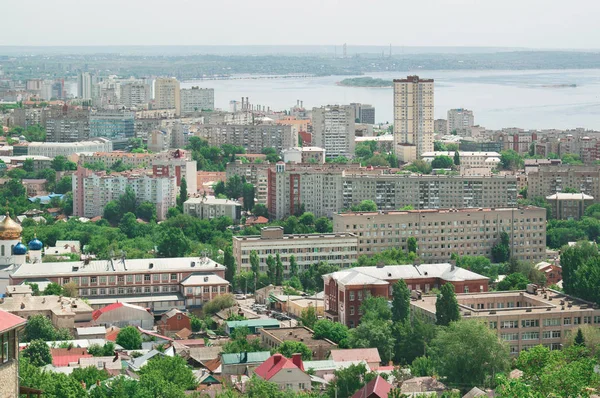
{"points": [[9, 321], [356, 354], [192, 342], [96, 314], [377, 387], [274, 365], [112, 333], [65, 356]]}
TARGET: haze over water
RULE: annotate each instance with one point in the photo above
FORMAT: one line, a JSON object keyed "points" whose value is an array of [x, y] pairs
{"points": [[535, 99]]}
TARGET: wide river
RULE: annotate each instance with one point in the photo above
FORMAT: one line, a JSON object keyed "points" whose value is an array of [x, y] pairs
{"points": [[535, 99]]}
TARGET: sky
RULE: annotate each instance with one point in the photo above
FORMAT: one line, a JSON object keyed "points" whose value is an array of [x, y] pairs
{"points": [[489, 23]]}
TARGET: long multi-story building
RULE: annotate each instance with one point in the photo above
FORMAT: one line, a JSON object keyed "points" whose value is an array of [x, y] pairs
{"points": [[167, 94], [484, 160], [54, 149], [254, 138], [209, 207], [93, 190], [117, 126], [334, 130], [135, 94], [197, 99], [160, 284], [549, 179], [440, 233], [364, 113], [523, 319], [413, 117], [68, 128], [460, 119], [335, 249], [346, 289]]}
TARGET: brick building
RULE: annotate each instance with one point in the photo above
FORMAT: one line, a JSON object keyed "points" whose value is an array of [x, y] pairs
{"points": [[345, 290]]}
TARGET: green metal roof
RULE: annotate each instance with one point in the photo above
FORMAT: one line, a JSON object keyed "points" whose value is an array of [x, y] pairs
{"points": [[245, 357], [254, 323]]}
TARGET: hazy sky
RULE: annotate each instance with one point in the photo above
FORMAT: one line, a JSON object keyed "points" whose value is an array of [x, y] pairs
{"points": [[510, 23]]}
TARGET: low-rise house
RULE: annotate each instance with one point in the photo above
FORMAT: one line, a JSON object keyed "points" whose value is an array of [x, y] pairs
{"points": [[296, 307], [173, 321], [198, 356], [262, 295], [553, 272], [35, 186], [112, 364], [243, 362], [419, 385], [252, 324], [376, 388], [209, 207], [64, 247], [287, 373], [321, 348], [369, 355], [138, 363], [10, 326], [123, 314], [151, 339], [199, 289], [66, 356]]}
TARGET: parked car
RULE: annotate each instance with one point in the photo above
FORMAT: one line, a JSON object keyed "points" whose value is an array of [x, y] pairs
{"points": [[240, 296]]}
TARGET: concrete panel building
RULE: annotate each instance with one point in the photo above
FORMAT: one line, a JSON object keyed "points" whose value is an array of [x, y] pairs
{"points": [[135, 94], [254, 138], [460, 119], [413, 117], [334, 130], [569, 206], [364, 113], [167, 94], [67, 128], [335, 249], [440, 233], [487, 160], [306, 154], [208, 207], [551, 179], [54, 149], [197, 99], [523, 319]]}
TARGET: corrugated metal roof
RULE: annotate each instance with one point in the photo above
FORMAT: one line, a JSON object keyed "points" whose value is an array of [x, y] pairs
{"points": [[245, 357]]}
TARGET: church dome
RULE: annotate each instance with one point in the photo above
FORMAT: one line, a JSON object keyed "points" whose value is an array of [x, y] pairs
{"points": [[9, 229], [19, 249], [36, 244]]}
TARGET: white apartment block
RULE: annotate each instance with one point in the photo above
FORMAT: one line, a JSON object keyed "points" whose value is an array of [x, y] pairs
{"points": [[335, 249], [93, 190], [209, 207], [460, 119], [440, 233], [54, 149], [167, 94], [254, 138], [487, 160], [85, 82], [196, 99], [413, 117], [334, 130], [134, 95]]}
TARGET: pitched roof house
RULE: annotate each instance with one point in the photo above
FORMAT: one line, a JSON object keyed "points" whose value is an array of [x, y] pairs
{"points": [[285, 372]]}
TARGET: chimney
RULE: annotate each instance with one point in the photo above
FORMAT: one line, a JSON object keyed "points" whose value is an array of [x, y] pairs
{"points": [[297, 360], [452, 265], [244, 357], [277, 358]]}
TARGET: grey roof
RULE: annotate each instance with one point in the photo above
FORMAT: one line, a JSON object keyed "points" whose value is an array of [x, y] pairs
{"points": [[205, 353], [475, 392], [203, 279], [129, 266], [379, 275], [570, 196], [137, 363], [326, 364], [91, 330], [245, 357]]}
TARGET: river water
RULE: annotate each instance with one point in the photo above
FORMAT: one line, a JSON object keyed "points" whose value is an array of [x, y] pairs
{"points": [[536, 99]]}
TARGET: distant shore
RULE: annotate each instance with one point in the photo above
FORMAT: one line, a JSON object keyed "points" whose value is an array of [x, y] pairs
{"points": [[367, 82]]}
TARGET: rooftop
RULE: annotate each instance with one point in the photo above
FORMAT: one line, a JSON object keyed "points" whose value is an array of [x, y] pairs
{"points": [[438, 211], [127, 266], [461, 153], [203, 279], [148, 298], [569, 196], [211, 200], [300, 333], [9, 321], [253, 323], [58, 305], [378, 387], [356, 354], [111, 307], [275, 364], [74, 145], [245, 357]]}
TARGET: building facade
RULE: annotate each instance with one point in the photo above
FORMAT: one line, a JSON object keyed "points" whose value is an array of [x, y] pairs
{"points": [[209, 207], [334, 130], [550, 179], [135, 95], [460, 119], [54, 149], [167, 94], [335, 249], [67, 128], [413, 117], [93, 190], [114, 125], [346, 289], [441, 233], [254, 138], [485, 160], [197, 99], [10, 328], [523, 319], [569, 206], [364, 113]]}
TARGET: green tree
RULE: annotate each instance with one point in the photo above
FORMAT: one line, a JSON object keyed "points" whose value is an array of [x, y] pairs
{"points": [[53, 289], [38, 353], [64, 185], [446, 306], [373, 333], [349, 380], [260, 210], [411, 244], [28, 165], [290, 347], [254, 266], [129, 225], [229, 263], [234, 187], [89, 375], [293, 266], [365, 205], [468, 353], [278, 270], [39, 327], [127, 201], [323, 225], [421, 367], [146, 211], [112, 212], [334, 331], [183, 193], [172, 242], [172, 371], [439, 146], [308, 317], [456, 158], [105, 350], [442, 162], [248, 195], [579, 339], [413, 338], [55, 385], [511, 160], [516, 281], [271, 269], [59, 163], [375, 309], [400, 301], [129, 338]]}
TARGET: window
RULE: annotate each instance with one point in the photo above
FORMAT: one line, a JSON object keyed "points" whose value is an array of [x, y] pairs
{"points": [[551, 334], [93, 280], [351, 296], [111, 279], [577, 320], [156, 289], [566, 321], [223, 289], [214, 289], [84, 280], [138, 278], [530, 336], [121, 279], [493, 325], [509, 324], [103, 280], [509, 336], [360, 295], [173, 277], [530, 323], [351, 310], [147, 278], [156, 277], [552, 322], [129, 278]]}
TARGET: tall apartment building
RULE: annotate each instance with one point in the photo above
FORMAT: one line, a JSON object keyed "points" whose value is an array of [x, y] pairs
{"points": [[134, 95], [254, 138], [167, 94], [335, 249], [85, 82], [550, 179], [93, 190], [460, 119], [197, 99], [117, 126], [364, 113], [523, 319], [413, 117], [334, 130], [440, 233], [66, 128], [54, 149], [346, 289]]}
